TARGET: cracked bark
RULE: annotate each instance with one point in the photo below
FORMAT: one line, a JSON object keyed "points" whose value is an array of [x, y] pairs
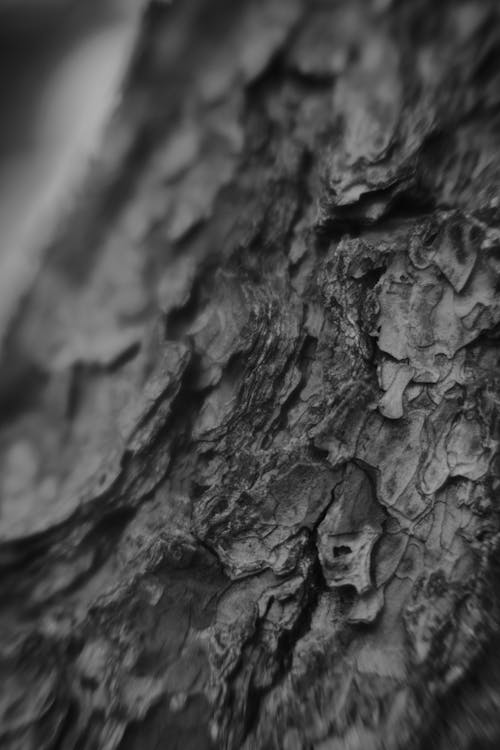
{"points": [[250, 404]]}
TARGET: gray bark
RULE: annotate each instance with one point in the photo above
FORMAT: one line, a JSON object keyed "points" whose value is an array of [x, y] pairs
{"points": [[250, 403]]}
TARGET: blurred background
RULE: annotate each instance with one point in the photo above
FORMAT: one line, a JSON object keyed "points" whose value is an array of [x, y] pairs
{"points": [[61, 62]]}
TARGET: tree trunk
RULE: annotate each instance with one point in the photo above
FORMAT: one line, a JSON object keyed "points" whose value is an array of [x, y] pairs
{"points": [[250, 403]]}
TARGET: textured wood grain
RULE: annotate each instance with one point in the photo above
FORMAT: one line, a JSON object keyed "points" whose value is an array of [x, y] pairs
{"points": [[250, 406]]}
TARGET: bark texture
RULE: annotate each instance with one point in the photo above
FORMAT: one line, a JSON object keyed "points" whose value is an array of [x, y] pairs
{"points": [[250, 405]]}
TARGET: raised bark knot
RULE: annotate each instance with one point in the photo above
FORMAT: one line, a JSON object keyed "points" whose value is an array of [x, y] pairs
{"points": [[347, 535]]}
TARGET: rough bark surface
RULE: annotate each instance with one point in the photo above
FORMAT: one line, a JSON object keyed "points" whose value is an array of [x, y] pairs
{"points": [[250, 405]]}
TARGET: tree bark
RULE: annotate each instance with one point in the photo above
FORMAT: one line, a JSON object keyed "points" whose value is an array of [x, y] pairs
{"points": [[250, 403]]}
